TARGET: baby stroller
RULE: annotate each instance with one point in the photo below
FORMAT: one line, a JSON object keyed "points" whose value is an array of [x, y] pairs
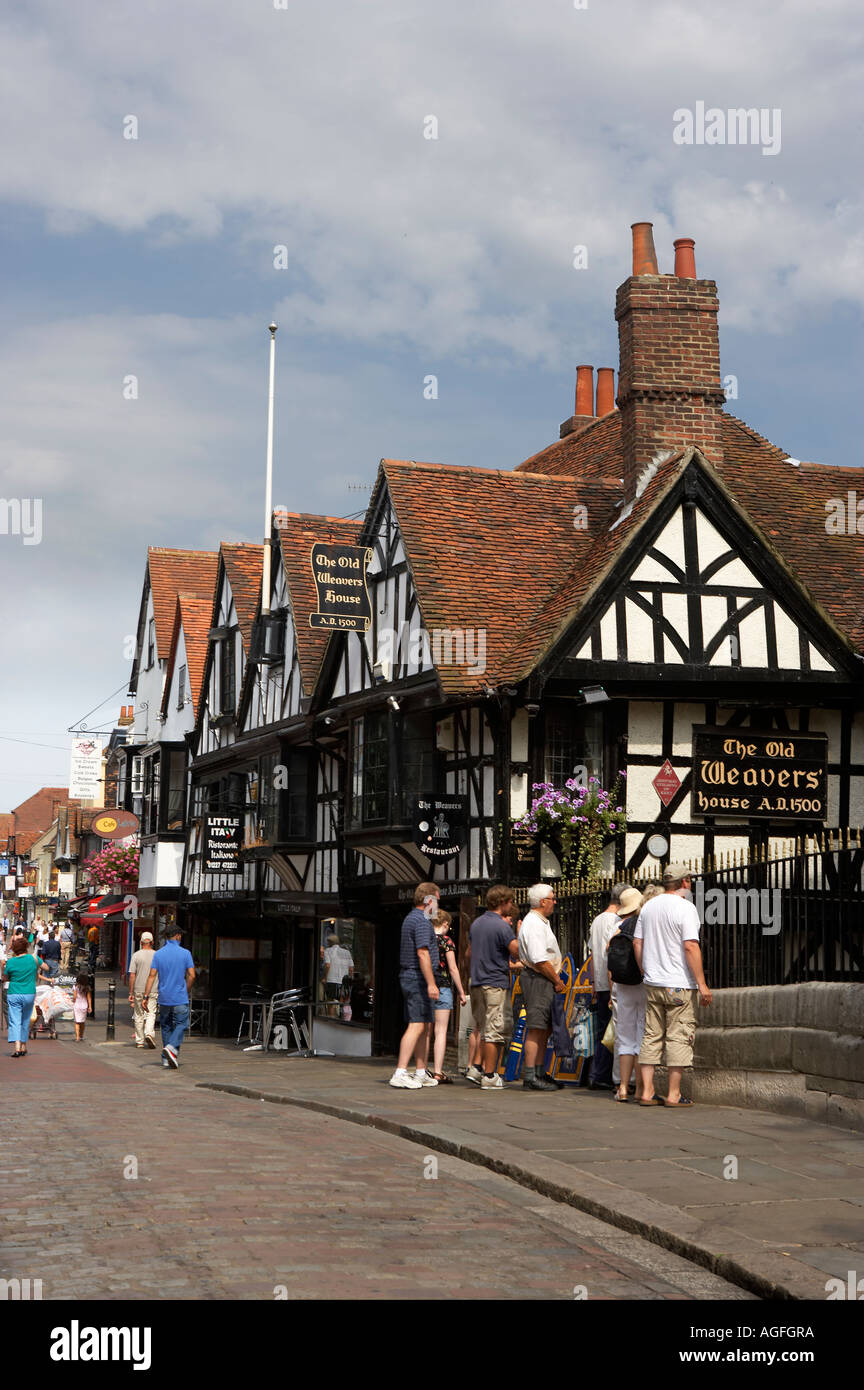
{"points": [[49, 1002]]}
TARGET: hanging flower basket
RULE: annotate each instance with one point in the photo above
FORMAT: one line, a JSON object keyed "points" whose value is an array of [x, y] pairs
{"points": [[115, 864], [576, 821]]}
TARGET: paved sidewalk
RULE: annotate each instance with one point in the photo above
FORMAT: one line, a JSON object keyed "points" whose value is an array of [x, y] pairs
{"points": [[791, 1218]]}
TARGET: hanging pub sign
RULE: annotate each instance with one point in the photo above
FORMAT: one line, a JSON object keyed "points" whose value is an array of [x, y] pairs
{"points": [[340, 586], [745, 772], [440, 825], [222, 839], [115, 825]]}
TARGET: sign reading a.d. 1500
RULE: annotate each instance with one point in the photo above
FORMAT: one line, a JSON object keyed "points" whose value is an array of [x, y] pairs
{"points": [[746, 772], [340, 585]]}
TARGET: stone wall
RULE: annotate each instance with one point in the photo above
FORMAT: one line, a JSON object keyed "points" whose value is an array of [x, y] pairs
{"points": [[797, 1049]]}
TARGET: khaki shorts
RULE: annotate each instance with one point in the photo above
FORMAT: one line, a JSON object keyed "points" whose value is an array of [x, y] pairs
{"points": [[670, 1017], [491, 1016]]}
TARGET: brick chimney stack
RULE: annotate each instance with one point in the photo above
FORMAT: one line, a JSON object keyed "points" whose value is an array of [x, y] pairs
{"points": [[669, 390]]}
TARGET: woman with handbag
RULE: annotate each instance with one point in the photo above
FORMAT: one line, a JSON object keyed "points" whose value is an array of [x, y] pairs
{"points": [[625, 982]]}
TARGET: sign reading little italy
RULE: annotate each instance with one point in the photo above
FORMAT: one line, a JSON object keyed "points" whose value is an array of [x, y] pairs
{"points": [[778, 775], [340, 585], [222, 838]]}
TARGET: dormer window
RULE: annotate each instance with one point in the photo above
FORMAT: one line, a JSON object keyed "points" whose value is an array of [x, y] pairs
{"points": [[181, 688]]}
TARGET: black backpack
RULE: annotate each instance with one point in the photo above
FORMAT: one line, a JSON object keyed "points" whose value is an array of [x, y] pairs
{"points": [[621, 958]]}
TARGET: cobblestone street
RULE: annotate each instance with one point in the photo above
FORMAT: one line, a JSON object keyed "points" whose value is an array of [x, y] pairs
{"points": [[235, 1198]]}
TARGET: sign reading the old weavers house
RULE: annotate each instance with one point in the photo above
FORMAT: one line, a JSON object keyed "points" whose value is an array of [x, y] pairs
{"points": [[744, 772], [222, 844], [340, 585]]}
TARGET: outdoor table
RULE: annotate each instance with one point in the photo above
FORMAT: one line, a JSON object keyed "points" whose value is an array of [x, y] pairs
{"points": [[251, 1005]]}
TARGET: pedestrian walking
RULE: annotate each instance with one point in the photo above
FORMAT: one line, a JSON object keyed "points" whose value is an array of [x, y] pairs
{"points": [[448, 979], [82, 1004], [605, 924], [50, 953], [492, 947], [93, 943], [666, 946], [21, 970], [541, 957], [139, 973], [67, 941], [337, 964], [172, 971], [418, 948], [628, 992]]}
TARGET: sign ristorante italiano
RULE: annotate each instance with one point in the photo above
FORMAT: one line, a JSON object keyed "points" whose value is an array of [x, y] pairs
{"points": [[744, 772], [340, 585], [222, 835]]}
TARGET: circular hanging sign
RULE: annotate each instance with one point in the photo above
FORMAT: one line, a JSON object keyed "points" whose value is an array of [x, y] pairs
{"points": [[115, 825], [658, 845]]}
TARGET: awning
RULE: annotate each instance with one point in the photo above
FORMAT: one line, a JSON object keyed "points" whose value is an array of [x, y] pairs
{"points": [[108, 906]]}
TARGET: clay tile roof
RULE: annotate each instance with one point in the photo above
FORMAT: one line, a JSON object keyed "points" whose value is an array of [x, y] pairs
{"points": [[786, 502], [194, 614], [35, 815], [298, 532], [243, 565], [170, 571], [7, 821], [488, 550]]}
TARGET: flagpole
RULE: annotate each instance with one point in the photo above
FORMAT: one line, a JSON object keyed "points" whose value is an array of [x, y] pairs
{"points": [[268, 502]]}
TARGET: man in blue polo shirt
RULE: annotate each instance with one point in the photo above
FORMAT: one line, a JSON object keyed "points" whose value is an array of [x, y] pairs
{"points": [[417, 951], [174, 968]]}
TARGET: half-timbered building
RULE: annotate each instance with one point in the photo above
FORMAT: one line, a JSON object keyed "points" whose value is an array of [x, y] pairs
{"points": [[656, 585]]}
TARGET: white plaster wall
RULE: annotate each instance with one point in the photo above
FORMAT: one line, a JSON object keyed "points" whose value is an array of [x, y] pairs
{"points": [[683, 719], [644, 726]]}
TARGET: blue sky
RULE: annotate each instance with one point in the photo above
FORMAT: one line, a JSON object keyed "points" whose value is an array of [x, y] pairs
{"points": [[303, 127]]}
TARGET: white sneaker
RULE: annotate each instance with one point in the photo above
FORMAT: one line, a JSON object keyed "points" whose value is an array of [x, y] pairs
{"points": [[425, 1079], [492, 1083], [406, 1082], [474, 1075]]}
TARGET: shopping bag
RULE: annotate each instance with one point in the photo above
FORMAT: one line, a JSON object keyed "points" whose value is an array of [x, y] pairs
{"points": [[583, 1030], [608, 1038]]}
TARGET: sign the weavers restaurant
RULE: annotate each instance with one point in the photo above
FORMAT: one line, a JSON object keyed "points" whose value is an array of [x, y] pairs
{"points": [[340, 586], [777, 775]]}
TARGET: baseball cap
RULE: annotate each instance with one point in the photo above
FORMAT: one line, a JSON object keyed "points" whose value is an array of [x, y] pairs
{"points": [[146, 936], [673, 872]]}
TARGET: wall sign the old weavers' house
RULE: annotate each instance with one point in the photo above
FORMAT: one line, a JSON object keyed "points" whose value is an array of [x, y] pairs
{"points": [[340, 584], [774, 774]]}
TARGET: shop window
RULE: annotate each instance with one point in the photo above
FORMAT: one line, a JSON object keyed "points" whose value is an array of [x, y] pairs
{"points": [[150, 806], [418, 761], [227, 676], [175, 798], [370, 769], [346, 970], [574, 739]]}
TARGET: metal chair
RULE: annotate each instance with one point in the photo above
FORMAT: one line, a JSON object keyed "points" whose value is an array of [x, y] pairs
{"points": [[287, 1005], [199, 1015]]}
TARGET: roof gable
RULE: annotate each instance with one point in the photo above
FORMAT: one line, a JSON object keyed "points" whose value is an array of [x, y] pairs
{"points": [[170, 572]]}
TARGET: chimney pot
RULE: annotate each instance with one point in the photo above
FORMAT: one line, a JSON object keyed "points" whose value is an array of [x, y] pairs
{"points": [[685, 261], [605, 390], [584, 390], [644, 255]]}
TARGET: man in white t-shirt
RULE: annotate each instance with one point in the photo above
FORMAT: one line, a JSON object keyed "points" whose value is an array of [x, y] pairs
{"points": [[540, 955], [666, 946], [338, 962]]}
